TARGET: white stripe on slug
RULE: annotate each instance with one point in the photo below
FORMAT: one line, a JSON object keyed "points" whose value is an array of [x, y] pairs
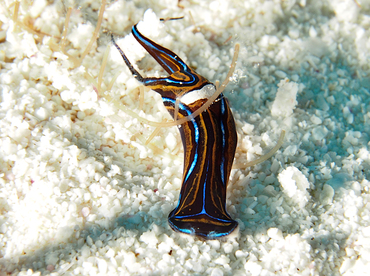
{"points": [[204, 93]]}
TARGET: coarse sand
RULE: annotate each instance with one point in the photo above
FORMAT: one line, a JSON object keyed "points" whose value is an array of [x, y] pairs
{"points": [[81, 193]]}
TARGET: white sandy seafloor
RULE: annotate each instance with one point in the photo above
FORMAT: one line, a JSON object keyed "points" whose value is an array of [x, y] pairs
{"points": [[81, 193]]}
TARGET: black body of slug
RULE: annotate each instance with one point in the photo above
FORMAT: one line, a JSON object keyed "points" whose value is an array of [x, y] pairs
{"points": [[209, 142]]}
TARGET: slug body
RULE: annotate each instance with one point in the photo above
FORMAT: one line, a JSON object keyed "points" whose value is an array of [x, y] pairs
{"points": [[209, 142]]}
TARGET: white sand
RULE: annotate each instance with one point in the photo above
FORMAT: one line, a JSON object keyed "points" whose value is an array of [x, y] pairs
{"points": [[81, 193]]}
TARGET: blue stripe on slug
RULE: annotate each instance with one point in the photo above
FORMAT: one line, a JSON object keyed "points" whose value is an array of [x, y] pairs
{"points": [[196, 132], [166, 58]]}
